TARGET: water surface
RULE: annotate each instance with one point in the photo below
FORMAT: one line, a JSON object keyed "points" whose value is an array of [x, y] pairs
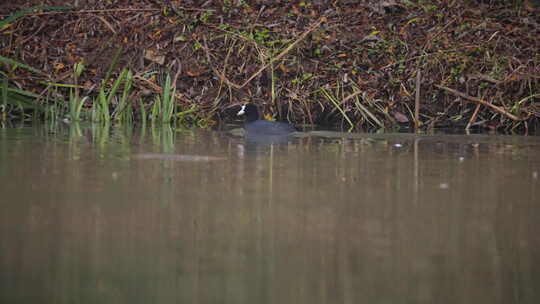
{"points": [[161, 216]]}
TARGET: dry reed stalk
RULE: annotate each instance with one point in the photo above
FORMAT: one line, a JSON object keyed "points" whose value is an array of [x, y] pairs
{"points": [[480, 101], [417, 100]]}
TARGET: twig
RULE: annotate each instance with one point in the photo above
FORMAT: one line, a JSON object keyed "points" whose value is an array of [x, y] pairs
{"points": [[107, 24], [352, 95], [225, 65], [485, 78], [480, 101], [113, 10]]}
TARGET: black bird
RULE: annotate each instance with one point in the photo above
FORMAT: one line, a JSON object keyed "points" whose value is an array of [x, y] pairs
{"points": [[255, 126]]}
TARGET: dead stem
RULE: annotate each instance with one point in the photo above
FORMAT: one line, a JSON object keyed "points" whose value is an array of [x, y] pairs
{"points": [[417, 100]]}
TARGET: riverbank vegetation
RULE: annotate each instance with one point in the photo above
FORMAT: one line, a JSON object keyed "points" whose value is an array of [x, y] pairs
{"points": [[356, 64]]}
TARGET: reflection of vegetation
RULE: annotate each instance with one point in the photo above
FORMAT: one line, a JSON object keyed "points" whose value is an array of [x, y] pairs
{"points": [[163, 138], [108, 140]]}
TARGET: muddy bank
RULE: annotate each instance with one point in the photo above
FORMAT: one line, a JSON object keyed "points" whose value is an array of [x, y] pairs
{"points": [[361, 64]]}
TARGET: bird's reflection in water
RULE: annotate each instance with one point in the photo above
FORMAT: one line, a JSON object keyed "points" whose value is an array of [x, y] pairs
{"points": [[263, 144]]}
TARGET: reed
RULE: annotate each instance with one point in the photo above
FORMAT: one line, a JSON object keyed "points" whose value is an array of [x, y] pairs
{"points": [[16, 98], [364, 111], [143, 113], [124, 110], [3, 108], [333, 98], [13, 98], [105, 99], [111, 103], [168, 101], [75, 101], [13, 64], [155, 113], [21, 13]]}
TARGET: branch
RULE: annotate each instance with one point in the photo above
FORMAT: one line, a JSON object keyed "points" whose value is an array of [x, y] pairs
{"points": [[480, 101]]}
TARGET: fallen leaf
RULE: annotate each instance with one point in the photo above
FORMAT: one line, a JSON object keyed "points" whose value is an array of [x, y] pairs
{"points": [[58, 66], [283, 68], [400, 117], [152, 56], [195, 71]]}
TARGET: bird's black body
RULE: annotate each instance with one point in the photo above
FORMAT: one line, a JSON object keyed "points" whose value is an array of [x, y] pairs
{"points": [[254, 126]]}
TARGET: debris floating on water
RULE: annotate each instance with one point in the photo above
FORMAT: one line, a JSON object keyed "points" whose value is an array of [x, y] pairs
{"points": [[179, 157], [444, 186]]}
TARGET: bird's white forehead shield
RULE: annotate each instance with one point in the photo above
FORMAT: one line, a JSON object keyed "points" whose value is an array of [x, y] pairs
{"points": [[242, 111]]}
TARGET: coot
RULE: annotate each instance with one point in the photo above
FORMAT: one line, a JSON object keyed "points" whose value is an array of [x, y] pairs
{"points": [[255, 126]]}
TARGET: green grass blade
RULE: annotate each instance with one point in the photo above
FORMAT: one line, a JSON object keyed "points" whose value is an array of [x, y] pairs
{"points": [[156, 109], [17, 64], [61, 85], [23, 92], [113, 64], [124, 106], [167, 108], [116, 85], [4, 92], [80, 106], [102, 108], [143, 112], [22, 102], [19, 14]]}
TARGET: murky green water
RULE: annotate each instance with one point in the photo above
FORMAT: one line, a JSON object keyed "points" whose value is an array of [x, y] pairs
{"points": [[97, 216]]}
